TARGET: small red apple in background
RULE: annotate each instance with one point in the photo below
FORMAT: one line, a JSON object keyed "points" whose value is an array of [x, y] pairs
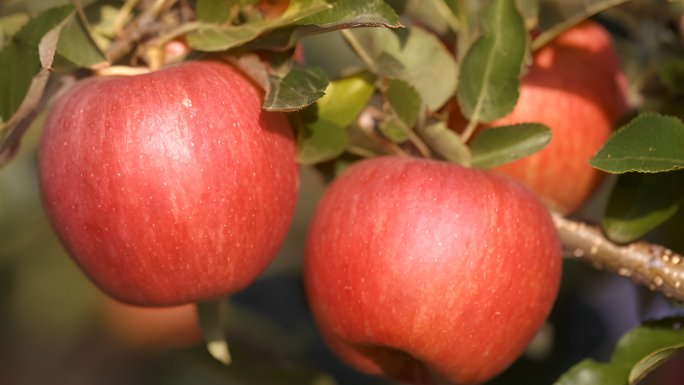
{"points": [[171, 187], [144, 328], [576, 88], [428, 272], [272, 9]]}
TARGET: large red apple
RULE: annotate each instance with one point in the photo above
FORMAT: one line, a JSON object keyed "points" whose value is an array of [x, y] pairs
{"points": [[428, 272], [170, 187], [576, 87]]}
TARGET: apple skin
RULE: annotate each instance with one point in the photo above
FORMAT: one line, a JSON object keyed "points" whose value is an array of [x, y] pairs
{"points": [[428, 272], [576, 87], [171, 187]]}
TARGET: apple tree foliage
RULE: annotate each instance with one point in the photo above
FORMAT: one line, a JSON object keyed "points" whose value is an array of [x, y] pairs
{"points": [[416, 55]]}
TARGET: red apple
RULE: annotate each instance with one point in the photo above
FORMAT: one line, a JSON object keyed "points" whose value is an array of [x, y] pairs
{"points": [[576, 88], [429, 272], [171, 187]]}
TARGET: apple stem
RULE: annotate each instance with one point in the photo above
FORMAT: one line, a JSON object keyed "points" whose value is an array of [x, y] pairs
{"points": [[211, 319], [646, 264]]}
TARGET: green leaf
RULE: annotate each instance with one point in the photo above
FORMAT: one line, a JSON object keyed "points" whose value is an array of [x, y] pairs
{"points": [[490, 73], [671, 74], [214, 11], [344, 14], [404, 99], [76, 45], [648, 338], [345, 98], [212, 37], [649, 143], [427, 65], [300, 88], [35, 29], [497, 146], [637, 352], [11, 24], [640, 202], [652, 362], [18, 68], [320, 140], [434, 14], [21, 62], [323, 135], [351, 14], [590, 372], [444, 141], [392, 129]]}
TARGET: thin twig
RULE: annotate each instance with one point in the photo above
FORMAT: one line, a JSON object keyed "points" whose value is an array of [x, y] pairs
{"points": [[123, 14], [646, 264], [557, 29], [180, 30], [469, 130], [82, 16], [358, 48]]}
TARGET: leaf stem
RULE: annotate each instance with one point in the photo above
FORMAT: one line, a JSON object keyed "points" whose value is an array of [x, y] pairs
{"points": [[470, 128], [358, 48], [211, 319], [180, 30], [122, 15], [82, 16], [550, 34]]}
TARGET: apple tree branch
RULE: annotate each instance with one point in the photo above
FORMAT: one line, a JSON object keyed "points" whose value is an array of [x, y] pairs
{"points": [[646, 264]]}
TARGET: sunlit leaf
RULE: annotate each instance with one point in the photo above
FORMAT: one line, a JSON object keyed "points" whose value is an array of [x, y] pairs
{"points": [[212, 37], [11, 24], [323, 134], [497, 146], [637, 352], [345, 98], [320, 140], [344, 14], [652, 362], [301, 87], [215, 11], [649, 143], [427, 65], [490, 73]]}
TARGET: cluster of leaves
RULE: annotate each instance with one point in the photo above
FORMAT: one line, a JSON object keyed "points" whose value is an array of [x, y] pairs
{"points": [[397, 103]]}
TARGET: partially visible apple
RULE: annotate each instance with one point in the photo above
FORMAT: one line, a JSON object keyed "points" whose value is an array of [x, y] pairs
{"points": [[428, 272], [576, 87], [145, 329], [171, 187]]}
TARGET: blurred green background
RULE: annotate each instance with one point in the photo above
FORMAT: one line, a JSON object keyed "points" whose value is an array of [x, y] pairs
{"points": [[57, 328]]}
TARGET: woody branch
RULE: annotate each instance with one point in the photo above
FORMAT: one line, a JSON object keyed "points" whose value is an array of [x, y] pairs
{"points": [[644, 263]]}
